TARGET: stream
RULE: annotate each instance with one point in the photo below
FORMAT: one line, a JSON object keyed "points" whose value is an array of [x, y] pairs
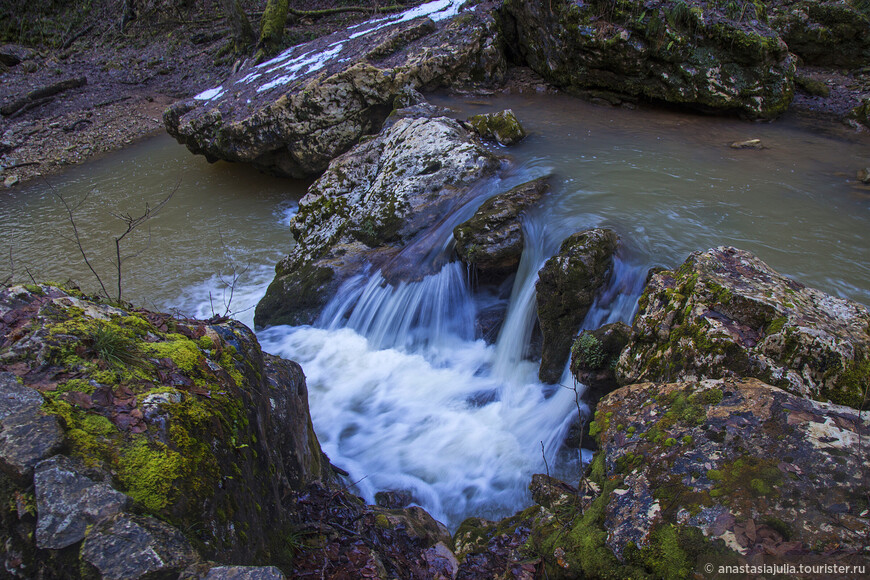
{"points": [[402, 394]]}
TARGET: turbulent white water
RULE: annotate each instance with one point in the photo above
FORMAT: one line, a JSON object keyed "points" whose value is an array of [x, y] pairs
{"points": [[404, 398]]}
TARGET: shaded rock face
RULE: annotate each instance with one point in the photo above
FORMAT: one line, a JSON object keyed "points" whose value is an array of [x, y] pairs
{"points": [[724, 312], [492, 240], [293, 114], [502, 127], [128, 546], [662, 50], [367, 206], [566, 287], [199, 429], [358, 541], [194, 426], [827, 33], [762, 470], [593, 358]]}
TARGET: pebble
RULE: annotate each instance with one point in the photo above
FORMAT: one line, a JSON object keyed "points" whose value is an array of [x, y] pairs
{"points": [[864, 175], [748, 144], [10, 181]]}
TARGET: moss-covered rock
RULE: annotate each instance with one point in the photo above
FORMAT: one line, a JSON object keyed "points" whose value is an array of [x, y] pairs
{"points": [[492, 240], [368, 205], [187, 417], [724, 312], [713, 55], [293, 114], [826, 33], [503, 127], [566, 287]]}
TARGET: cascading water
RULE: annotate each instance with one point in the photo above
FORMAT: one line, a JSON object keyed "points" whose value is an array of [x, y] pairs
{"points": [[404, 398]]}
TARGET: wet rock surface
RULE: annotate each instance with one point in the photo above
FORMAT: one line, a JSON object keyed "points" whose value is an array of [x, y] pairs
{"points": [[293, 114], [68, 501], [492, 240], [767, 472], [724, 312], [667, 51], [503, 127], [832, 33], [367, 206], [566, 287], [128, 546]]}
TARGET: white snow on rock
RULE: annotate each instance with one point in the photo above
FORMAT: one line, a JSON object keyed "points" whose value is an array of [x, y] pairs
{"points": [[292, 67]]}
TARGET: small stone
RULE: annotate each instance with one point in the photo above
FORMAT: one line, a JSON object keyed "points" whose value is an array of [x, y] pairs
{"points": [[67, 502], [503, 127], [864, 175], [15, 397], [245, 573], [748, 144], [127, 547], [11, 181]]}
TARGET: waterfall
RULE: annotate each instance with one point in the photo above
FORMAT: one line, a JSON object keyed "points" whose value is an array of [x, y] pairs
{"points": [[404, 397]]}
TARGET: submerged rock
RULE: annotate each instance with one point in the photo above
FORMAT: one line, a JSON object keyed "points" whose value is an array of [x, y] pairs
{"points": [[503, 127], [367, 206], [293, 114], [566, 287], [492, 240], [724, 312], [698, 55]]}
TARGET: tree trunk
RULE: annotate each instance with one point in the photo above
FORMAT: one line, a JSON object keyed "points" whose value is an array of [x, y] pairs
{"points": [[243, 34], [272, 27]]}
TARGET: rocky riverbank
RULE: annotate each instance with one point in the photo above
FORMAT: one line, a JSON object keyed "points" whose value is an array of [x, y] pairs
{"points": [[168, 54]]}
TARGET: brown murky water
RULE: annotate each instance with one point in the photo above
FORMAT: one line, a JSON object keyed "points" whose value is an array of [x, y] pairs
{"points": [[668, 183]]}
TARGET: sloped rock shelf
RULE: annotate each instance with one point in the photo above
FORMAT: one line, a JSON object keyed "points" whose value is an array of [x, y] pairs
{"points": [[438, 419]]}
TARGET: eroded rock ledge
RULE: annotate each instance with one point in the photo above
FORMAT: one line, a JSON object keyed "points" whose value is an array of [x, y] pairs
{"points": [[293, 114]]}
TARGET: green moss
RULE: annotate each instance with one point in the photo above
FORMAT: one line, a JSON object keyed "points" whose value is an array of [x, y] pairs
{"points": [[852, 386], [588, 351], [184, 352], [713, 396], [670, 442]]}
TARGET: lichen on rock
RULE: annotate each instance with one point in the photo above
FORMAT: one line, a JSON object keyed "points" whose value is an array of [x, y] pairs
{"points": [[566, 287], [503, 127], [702, 55], [724, 312]]}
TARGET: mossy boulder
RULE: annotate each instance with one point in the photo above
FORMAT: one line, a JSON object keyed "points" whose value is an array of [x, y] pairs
{"points": [[824, 33], [186, 418], [492, 240], [861, 113], [594, 355], [366, 208], [502, 127], [724, 312], [750, 465], [566, 288], [293, 114], [692, 474], [699, 54]]}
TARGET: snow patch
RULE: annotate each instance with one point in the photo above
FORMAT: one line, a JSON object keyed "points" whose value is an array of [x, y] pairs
{"points": [[436, 11], [310, 62], [210, 94]]}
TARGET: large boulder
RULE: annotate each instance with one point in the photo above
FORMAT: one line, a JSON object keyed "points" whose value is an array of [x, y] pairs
{"points": [[692, 475], [194, 426], [566, 288], [492, 240], [765, 471], [827, 33], [694, 54], [368, 205], [293, 114], [724, 312]]}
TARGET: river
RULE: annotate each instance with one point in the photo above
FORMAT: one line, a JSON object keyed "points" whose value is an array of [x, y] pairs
{"points": [[402, 394]]}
